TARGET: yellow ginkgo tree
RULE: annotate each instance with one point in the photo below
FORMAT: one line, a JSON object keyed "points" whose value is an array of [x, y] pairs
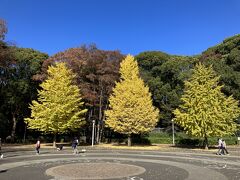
{"points": [[131, 110], [59, 107], [206, 111]]}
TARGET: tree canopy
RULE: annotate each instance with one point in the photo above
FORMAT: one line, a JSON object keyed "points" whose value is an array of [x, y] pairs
{"points": [[96, 71], [206, 111], [164, 74], [59, 107], [225, 59], [17, 86], [131, 110]]}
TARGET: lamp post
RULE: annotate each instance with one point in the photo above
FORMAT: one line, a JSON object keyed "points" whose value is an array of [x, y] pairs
{"points": [[93, 128]]}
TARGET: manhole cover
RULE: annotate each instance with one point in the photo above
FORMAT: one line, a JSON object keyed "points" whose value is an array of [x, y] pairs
{"points": [[94, 171]]}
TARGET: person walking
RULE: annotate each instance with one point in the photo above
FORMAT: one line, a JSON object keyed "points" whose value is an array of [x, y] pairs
{"points": [[219, 152], [224, 148], [38, 145], [1, 154], [74, 145]]}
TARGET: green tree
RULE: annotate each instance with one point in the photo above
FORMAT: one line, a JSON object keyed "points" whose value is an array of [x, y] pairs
{"points": [[131, 110], [59, 107], [164, 74], [206, 111], [17, 66], [225, 58]]}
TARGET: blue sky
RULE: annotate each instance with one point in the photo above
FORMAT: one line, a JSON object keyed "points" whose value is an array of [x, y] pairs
{"points": [[182, 27]]}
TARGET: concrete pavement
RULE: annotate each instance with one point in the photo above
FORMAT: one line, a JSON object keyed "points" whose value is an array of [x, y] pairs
{"points": [[154, 165]]}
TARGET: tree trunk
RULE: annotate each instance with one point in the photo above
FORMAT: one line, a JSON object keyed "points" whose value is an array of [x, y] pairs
{"points": [[25, 132], [99, 116], [13, 127], [129, 140], [103, 124], [101, 133], [97, 132], [54, 140], [206, 142], [90, 114]]}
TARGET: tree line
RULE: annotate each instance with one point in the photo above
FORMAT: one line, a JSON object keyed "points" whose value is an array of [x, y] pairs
{"points": [[95, 73]]}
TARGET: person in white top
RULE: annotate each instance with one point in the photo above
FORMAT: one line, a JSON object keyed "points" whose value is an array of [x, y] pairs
{"points": [[1, 154], [224, 148], [37, 147], [219, 152]]}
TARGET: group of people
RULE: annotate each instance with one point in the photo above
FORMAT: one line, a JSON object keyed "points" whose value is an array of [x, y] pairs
{"points": [[222, 147], [74, 146]]}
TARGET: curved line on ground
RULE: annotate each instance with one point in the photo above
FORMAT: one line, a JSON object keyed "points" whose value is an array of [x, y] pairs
{"points": [[140, 155], [195, 172], [109, 174]]}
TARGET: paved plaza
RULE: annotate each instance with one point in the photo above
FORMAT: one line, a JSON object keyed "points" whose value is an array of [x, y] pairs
{"points": [[24, 164]]}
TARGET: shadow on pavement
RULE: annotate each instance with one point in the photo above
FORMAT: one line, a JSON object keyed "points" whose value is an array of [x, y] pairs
{"points": [[3, 171]]}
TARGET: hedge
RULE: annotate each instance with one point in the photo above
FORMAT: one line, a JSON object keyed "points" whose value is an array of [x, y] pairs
{"points": [[184, 139]]}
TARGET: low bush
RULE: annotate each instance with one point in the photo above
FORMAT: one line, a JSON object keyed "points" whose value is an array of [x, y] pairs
{"points": [[182, 138]]}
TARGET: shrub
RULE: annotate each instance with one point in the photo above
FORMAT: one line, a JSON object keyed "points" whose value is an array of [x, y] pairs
{"points": [[182, 138]]}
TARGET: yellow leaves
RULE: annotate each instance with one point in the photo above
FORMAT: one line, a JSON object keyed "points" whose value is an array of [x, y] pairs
{"points": [[131, 105], [206, 110], [129, 68], [59, 106]]}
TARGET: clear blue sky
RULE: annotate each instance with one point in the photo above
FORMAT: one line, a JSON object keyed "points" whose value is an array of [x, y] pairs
{"points": [[183, 27]]}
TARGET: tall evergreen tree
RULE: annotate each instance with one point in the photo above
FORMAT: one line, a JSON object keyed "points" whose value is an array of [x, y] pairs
{"points": [[206, 111], [131, 110], [59, 107]]}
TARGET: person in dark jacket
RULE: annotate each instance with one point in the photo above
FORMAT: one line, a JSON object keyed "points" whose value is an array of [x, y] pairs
{"points": [[74, 146]]}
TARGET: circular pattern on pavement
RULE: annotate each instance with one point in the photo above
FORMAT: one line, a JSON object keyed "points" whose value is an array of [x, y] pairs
{"points": [[155, 165], [94, 171]]}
